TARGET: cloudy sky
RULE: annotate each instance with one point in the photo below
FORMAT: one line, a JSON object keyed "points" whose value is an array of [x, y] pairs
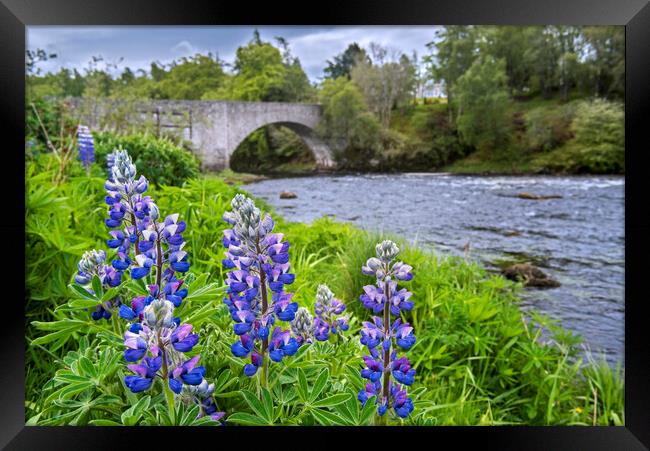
{"points": [[139, 46]]}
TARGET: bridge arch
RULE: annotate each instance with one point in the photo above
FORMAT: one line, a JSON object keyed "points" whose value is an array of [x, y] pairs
{"points": [[320, 150], [246, 117]]}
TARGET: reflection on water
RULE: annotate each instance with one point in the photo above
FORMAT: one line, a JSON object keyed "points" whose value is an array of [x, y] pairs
{"points": [[577, 239]]}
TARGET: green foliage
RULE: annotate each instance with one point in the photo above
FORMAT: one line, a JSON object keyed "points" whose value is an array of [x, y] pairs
{"points": [[353, 132], [481, 99], [599, 127], [547, 128], [191, 78], [345, 61], [272, 149], [263, 74], [158, 159]]}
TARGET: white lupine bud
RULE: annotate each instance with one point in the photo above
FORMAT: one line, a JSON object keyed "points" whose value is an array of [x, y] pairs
{"points": [[159, 314], [91, 260], [387, 251], [123, 168], [324, 295], [302, 323]]}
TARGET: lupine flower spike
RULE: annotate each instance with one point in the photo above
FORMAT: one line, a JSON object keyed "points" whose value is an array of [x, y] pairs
{"points": [[86, 146], [383, 338], [155, 340], [259, 264]]}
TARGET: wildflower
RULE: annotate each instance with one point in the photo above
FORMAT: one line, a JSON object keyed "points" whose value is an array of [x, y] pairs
{"points": [[159, 344], [202, 394], [327, 310], [382, 337], [86, 146], [92, 264], [258, 261]]}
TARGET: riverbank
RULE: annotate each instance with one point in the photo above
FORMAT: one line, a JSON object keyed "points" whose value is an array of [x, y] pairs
{"points": [[478, 360]]}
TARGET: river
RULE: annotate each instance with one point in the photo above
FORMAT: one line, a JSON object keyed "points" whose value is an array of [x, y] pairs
{"points": [[577, 239]]}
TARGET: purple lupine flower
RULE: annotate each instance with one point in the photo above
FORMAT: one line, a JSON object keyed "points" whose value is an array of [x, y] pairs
{"points": [[160, 336], [378, 336], [202, 394], [259, 270], [92, 264], [328, 310], [86, 146]]}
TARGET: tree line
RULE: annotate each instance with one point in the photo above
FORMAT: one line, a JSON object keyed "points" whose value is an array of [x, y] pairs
{"points": [[482, 69]]}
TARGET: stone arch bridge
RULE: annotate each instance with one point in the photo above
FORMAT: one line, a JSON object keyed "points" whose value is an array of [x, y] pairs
{"points": [[215, 128]]}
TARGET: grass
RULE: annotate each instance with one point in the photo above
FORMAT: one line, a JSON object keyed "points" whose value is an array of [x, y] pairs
{"points": [[479, 360]]}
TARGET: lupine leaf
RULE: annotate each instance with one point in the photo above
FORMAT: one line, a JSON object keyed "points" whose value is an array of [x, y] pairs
{"points": [[303, 390], [332, 400], [368, 410], [87, 367], [254, 403], [268, 404], [132, 415], [97, 286], [81, 291], [327, 418], [83, 303], [246, 419], [319, 385], [102, 422]]}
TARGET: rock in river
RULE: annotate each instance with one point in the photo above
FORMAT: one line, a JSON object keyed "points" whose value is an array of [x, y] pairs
{"points": [[288, 195], [530, 196], [530, 275]]}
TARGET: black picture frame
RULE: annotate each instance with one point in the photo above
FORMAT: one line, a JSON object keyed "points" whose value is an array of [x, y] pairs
{"points": [[15, 15]]}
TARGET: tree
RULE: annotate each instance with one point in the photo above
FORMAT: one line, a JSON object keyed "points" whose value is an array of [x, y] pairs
{"points": [[387, 82], [481, 100], [347, 124], [453, 53], [345, 61], [190, 78], [511, 43], [262, 73], [606, 59]]}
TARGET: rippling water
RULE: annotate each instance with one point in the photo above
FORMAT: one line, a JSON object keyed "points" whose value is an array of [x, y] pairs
{"points": [[578, 240]]}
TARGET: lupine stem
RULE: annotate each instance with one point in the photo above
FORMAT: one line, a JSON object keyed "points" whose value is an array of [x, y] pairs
{"points": [[265, 342], [165, 377], [386, 388], [158, 262], [135, 227]]}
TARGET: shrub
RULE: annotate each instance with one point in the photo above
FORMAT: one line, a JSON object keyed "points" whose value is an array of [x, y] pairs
{"points": [[548, 128], [160, 159], [599, 128]]}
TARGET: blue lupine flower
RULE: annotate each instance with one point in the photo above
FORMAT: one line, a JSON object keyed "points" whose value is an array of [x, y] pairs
{"points": [[146, 371], [327, 310], [92, 264], [202, 394], [258, 261], [281, 344], [160, 335], [374, 369], [86, 146], [379, 334]]}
